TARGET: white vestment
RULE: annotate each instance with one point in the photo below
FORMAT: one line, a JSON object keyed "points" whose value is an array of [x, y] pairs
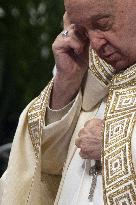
{"points": [[78, 181], [75, 190], [42, 148]]}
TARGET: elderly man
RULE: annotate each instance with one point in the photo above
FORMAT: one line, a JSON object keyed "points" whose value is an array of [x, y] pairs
{"points": [[75, 103]]}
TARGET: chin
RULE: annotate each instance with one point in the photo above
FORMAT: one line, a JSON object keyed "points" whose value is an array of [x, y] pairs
{"points": [[120, 66]]}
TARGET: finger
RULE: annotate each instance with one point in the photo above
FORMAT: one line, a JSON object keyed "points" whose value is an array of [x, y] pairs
{"points": [[96, 131], [66, 20], [81, 132], [84, 141], [95, 155], [83, 155], [74, 38], [94, 122], [86, 154], [87, 123], [69, 42], [77, 32], [78, 142], [97, 121], [81, 33]]}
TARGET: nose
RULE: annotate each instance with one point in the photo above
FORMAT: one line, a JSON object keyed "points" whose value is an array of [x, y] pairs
{"points": [[97, 40]]}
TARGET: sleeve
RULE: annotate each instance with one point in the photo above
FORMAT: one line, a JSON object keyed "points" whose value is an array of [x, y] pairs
{"points": [[57, 136], [56, 115]]}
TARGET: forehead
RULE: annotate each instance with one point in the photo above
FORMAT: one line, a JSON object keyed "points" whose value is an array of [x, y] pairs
{"points": [[81, 10]]}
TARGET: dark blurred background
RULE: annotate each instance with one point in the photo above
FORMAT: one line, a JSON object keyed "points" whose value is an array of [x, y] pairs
{"points": [[27, 31]]}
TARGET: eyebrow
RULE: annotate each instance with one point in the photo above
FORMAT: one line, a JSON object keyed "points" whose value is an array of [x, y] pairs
{"points": [[95, 17]]}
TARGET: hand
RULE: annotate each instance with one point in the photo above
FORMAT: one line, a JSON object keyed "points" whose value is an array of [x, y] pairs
{"points": [[71, 53], [90, 139], [72, 59]]}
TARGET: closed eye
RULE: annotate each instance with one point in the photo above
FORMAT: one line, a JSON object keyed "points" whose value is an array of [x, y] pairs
{"points": [[103, 24]]}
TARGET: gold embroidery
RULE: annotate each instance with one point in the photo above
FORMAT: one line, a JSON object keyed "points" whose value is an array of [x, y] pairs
{"points": [[36, 115], [119, 178], [100, 69]]}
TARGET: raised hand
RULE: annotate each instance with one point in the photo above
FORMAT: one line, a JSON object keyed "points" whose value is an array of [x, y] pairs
{"points": [[71, 58]]}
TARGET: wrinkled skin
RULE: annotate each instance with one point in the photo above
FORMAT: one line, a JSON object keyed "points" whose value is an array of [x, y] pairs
{"points": [[109, 27], [71, 58], [90, 138]]}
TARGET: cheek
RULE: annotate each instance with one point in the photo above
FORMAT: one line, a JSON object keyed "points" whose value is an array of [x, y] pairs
{"points": [[117, 40], [126, 48], [124, 37]]}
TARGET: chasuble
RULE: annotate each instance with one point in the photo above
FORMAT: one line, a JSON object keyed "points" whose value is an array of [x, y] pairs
{"points": [[44, 149]]}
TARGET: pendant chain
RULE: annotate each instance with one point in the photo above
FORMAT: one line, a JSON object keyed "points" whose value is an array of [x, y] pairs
{"points": [[94, 172]]}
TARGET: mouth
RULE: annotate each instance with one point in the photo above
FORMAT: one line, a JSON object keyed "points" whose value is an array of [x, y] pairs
{"points": [[111, 58]]}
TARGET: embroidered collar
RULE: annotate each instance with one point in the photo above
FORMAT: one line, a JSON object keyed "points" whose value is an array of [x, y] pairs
{"points": [[125, 78]]}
